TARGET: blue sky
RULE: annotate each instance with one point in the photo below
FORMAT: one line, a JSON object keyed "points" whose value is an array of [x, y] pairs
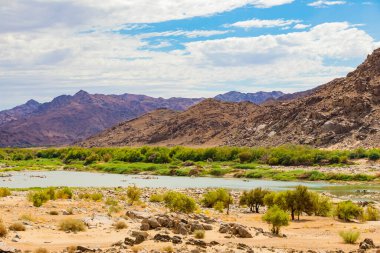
{"points": [[188, 48]]}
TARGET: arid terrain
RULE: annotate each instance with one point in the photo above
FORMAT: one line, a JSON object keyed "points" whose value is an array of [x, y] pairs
{"points": [[312, 234]]}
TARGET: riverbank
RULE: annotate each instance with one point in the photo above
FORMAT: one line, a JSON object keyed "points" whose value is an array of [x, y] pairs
{"points": [[319, 234]]}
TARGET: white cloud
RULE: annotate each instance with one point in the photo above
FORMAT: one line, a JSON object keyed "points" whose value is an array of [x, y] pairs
{"points": [[325, 3], [189, 34], [301, 26], [263, 23]]}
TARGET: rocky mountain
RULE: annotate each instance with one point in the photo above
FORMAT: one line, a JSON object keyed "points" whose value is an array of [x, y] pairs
{"points": [[257, 97], [342, 113], [19, 112], [67, 119]]}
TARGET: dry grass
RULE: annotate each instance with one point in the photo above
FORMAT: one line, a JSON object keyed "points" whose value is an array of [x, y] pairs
{"points": [[136, 248], [120, 225], [41, 250], [168, 249], [53, 212], [17, 226], [3, 229], [72, 225], [349, 236], [199, 234]]}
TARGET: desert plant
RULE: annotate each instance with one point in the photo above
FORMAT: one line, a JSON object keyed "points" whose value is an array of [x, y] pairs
{"points": [[4, 192], [3, 229], [133, 194], [53, 212], [179, 202], [199, 234], [253, 199], [277, 218], [349, 236], [347, 210], [64, 193], [168, 249], [51, 193], [371, 213], [72, 225], [41, 250], [156, 198], [322, 205], [18, 226], [120, 225], [38, 198], [217, 198]]}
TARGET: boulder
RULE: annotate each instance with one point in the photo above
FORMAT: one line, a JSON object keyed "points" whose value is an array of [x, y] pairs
{"points": [[153, 223], [367, 244], [84, 249], [162, 238]]}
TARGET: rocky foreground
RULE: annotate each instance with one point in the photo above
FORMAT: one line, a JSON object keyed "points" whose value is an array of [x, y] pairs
{"points": [[150, 227]]}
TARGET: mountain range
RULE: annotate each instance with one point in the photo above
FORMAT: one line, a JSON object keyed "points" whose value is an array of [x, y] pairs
{"points": [[68, 119], [344, 113]]}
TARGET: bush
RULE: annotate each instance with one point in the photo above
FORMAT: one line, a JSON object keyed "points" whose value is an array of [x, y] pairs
{"points": [[4, 192], [72, 225], [156, 198], [3, 229], [41, 250], [199, 234], [253, 199], [179, 202], [322, 205], [245, 157], [217, 198], [277, 218], [168, 249], [18, 226], [133, 194], [349, 236], [120, 225], [64, 193], [53, 212], [371, 213], [374, 155], [51, 193], [347, 210], [38, 198]]}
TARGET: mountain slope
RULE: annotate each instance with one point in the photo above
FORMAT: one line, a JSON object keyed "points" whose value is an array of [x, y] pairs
{"points": [[19, 112], [257, 97], [342, 113], [67, 119]]}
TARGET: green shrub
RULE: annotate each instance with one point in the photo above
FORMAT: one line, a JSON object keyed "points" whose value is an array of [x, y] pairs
{"points": [[217, 198], [277, 218], [38, 198], [374, 155], [322, 205], [179, 202], [94, 196], [349, 236], [51, 193], [199, 234], [64, 193], [371, 213], [156, 198], [72, 225], [347, 210], [18, 226], [4, 192], [253, 199], [245, 157], [133, 194]]}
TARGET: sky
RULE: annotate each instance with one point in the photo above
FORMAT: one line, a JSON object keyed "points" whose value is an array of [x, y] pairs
{"points": [[182, 48]]}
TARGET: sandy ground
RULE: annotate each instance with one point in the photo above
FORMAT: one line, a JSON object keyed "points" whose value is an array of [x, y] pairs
{"points": [[311, 233]]}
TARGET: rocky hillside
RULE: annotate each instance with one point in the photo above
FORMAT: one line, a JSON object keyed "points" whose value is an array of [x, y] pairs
{"points": [[342, 113], [19, 112], [68, 119], [257, 97]]}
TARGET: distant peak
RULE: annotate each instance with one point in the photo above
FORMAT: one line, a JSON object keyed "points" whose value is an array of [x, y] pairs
{"points": [[32, 102], [82, 93]]}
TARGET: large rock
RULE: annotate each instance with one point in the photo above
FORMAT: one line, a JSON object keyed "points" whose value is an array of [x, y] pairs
{"points": [[235, 229], [6, 249], [367, 244]]}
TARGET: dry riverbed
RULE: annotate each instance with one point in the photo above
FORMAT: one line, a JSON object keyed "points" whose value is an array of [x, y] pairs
{"points": [[311, 233]]}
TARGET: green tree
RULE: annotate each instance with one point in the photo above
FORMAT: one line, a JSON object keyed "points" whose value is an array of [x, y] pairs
{"points": [[253, 199], [277, 218], [217, 198]]}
